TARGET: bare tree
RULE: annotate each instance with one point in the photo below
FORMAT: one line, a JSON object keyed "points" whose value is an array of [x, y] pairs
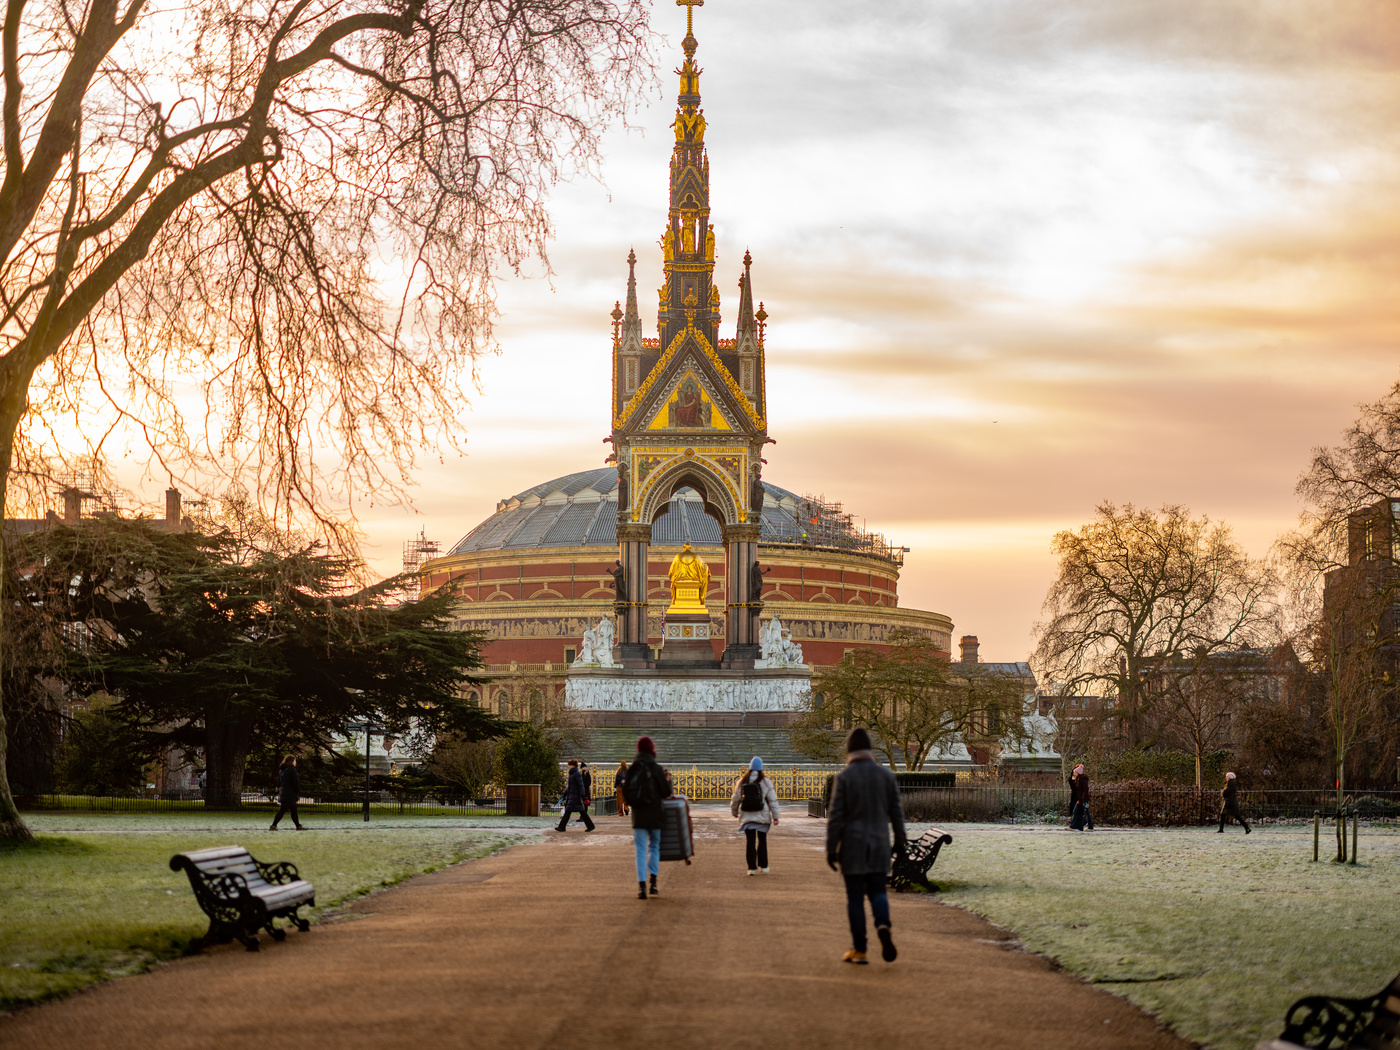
{"points": [[913, 702], [1133, 588], [288, 211], [1345, 561], [1203, 692]]}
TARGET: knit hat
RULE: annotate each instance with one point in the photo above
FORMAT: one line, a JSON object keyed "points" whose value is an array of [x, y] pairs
{"points": [[1229, 776], [646, 746], [1079, 769], [859, 740], [756, 763]]}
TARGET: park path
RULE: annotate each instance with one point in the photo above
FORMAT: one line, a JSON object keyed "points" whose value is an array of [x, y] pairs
{"points": [[546, 946]]}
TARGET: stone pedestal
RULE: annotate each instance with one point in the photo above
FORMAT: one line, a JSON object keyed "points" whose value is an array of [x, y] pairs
{"points": [[686, 642]]}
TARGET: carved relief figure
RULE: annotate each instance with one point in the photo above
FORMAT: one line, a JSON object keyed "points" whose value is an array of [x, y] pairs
{"points": [[587, 653]]}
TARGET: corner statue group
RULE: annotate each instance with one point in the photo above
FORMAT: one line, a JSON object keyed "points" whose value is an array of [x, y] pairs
{"points": [[690, 579]]}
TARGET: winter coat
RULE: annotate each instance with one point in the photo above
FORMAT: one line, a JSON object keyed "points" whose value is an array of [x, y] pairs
{"points": [[1079, 789], [587, 785], [644, 765], [289, 784], [864, 803], [761, 819], [573, 794], [1229, 796]]}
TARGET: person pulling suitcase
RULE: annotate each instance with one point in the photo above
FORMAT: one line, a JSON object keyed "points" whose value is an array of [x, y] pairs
{"points": [[646, 787]]}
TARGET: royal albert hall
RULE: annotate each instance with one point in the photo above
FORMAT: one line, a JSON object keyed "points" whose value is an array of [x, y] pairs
{"points": [[688, 429]]}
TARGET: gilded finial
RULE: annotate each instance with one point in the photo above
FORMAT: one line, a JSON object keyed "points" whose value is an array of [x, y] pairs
{"points": [[748, 259], [690, 6], [761, 317], [617, 324]]}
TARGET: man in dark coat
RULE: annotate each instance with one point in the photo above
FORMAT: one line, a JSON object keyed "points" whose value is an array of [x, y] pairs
{"points": [[587, 778], [1079, 800], [864, 803], [1230, 804], [573, 799], [646, 786], [288, 791]]}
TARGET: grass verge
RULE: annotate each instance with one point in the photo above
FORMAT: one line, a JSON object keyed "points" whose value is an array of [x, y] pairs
{"points": [[1215, 934], [85, 906]]}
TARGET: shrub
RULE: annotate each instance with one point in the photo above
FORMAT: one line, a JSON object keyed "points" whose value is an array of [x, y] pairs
{"points": [[528, 757], [101, 754]]}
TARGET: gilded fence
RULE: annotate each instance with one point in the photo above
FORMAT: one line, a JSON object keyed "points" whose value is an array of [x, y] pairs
{"points": [[717, 785]]}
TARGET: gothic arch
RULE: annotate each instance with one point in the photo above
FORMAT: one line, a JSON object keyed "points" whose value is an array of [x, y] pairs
{"points": [[718, 501]]}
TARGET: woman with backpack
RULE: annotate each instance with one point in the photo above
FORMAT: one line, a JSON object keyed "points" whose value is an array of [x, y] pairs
{"points": [[647, 784], [756, 804]]}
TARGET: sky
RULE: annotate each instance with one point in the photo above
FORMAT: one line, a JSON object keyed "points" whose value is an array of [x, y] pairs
{"points": [[1020, 258]]}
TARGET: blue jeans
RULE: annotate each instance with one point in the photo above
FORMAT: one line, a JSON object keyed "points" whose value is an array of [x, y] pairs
{"points": [[1081, 817], [858, 887], [648, 843]]}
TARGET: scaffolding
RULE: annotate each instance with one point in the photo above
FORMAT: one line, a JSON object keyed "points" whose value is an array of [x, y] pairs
{"points": [[818, 522], [418, 550]]}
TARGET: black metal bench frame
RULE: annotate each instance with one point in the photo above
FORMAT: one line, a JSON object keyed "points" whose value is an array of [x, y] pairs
{"points": [[1325, 1022], [910, 867], [236, 909]]}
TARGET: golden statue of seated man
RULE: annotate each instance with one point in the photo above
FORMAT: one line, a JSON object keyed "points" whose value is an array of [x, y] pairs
{"points": [[690, 579]]}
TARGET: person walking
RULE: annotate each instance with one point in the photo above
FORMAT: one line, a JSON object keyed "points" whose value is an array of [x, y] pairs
{"points": [[288, 791], [1079, 800], [646, 786], [1230, 803], [755, 802], [619, 779], [864, 804], [573, 799], [587, 778]]}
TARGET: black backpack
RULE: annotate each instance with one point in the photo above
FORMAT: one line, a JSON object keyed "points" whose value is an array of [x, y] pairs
{"points": [[752, 800], [640, 788]]}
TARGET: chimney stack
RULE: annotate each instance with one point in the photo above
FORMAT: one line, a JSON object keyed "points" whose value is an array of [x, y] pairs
{"points": [[172, 510], [72, 505], [968, 645]]}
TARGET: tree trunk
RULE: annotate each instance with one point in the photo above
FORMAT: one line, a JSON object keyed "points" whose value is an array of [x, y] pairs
{"points": [[225, 757], [12, 825]]}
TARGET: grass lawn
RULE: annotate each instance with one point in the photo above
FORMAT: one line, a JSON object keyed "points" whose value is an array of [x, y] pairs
{"points": [[94, 897], [1216, 934]]}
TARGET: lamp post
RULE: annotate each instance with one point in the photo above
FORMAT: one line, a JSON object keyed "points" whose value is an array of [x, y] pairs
{"points": [[367, 728]]}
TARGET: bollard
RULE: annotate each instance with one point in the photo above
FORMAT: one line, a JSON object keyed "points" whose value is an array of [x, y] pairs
{"points": [[1317, 829], [1355, 820]]}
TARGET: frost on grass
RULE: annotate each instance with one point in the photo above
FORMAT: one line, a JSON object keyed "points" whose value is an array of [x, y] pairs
{"points": [[1217, 934]]}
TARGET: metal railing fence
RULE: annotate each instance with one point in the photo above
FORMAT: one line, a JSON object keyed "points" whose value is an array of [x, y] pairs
{"points": [[380, 805]]}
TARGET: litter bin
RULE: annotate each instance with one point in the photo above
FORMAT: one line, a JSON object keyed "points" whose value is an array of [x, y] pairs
{"points": [[522, 800]]}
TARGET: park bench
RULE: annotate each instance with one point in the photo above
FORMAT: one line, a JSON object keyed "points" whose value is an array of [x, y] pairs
{"points": [[910, 865], [1323, 1022], [242, 895]]}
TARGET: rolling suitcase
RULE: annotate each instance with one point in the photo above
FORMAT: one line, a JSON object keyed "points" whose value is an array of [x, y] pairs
{"points": [[676, 840]]}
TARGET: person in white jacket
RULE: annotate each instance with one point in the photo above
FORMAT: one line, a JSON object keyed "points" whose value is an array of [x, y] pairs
{"points": [[756, 804]]}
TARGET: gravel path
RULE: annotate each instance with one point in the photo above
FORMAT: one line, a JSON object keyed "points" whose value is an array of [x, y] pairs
{"points": [[546, 946]]}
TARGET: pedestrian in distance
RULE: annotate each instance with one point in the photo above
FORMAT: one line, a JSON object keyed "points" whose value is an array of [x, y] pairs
{"points": [[756, 804], [619, 779], [646, 787], [1079, 800], [1230, 803], [864, 804], [288, 791], [573, 799], [587, 778]]}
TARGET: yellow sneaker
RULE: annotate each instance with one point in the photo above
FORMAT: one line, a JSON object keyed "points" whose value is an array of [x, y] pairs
{"points": [[856, 957]]}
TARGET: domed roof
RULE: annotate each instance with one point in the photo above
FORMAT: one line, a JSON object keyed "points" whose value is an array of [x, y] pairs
{"points": [[580, 510]]}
